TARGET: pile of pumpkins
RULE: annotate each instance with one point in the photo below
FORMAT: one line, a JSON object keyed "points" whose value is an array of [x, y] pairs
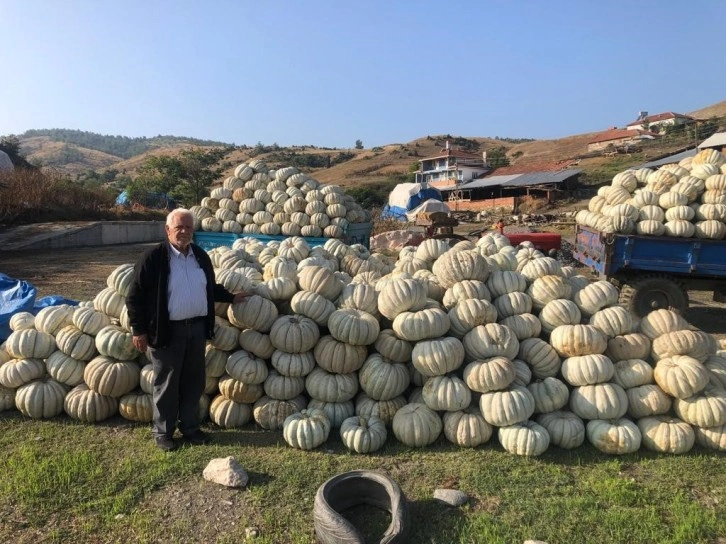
{"points": [[282, 202], [470, 341], [683, 200]]}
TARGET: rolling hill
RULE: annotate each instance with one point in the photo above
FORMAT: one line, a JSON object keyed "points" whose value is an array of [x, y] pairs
{"points": [[74, 152]]}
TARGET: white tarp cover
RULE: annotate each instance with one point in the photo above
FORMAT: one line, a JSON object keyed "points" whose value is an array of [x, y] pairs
{"points": [[431, 205], [5, 162], [401, 193]]}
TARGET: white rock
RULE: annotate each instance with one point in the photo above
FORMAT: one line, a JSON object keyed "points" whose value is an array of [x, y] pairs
{"points": [[226, 471], [452, 497]]}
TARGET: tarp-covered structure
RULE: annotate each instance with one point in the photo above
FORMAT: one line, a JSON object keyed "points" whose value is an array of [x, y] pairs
{"points": [[409, 199], [150, 200]]}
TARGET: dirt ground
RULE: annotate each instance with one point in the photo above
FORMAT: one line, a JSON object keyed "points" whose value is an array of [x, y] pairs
{"points": [[80, 273]]}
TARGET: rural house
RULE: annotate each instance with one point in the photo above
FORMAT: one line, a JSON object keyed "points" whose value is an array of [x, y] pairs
{"points": [[616, 137], [451, 166], [715, 141], [658, 122]]}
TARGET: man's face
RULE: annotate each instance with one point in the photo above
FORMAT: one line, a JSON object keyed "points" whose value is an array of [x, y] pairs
{"points": [[180, 231]]}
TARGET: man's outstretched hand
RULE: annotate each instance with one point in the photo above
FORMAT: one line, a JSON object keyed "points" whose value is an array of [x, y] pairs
{"points": [[241, 297]]}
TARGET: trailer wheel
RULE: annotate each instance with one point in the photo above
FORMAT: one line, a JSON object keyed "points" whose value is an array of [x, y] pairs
{"points": [[643, 295]]}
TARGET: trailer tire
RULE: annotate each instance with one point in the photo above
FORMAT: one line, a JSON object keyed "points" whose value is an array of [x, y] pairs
{"points": [[643, 295], [354, 488]]}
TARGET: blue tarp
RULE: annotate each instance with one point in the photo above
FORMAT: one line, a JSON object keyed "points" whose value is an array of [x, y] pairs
{"points": [[406, 197], [151, 200], [19, 296]]}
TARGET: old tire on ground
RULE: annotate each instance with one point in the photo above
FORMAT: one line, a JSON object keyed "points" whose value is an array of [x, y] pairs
{"points": [[643, 295], [355, 488]]}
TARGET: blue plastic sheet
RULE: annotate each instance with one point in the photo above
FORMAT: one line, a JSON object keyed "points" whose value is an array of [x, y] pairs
{"points": [[19, 296]]}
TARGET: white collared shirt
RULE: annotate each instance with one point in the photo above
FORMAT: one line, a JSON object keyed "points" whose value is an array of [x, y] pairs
{"points": [[187, 289]]}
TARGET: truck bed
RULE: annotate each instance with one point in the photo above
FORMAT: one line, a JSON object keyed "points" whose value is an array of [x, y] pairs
{"points": [[611, 254]]}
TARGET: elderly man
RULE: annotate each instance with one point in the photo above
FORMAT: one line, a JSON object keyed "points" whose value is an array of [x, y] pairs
{"points": [[171, 310]]}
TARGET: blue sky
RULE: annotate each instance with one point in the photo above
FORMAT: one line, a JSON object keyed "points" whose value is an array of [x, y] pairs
{"points": [[328, 73]]}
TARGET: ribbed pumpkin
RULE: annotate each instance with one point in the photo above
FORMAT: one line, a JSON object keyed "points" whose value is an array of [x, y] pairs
{"points": [[382, 380], [111, 377], [30, 343], [587, 369], [109, 302], [491, 340], [596, 296], [53, 318], [566, 430], [363, 435], [22, 320], [238, 391], [294, 334], [416, 425], [446, 393], [526, 438], [614, 437], [383, 409], [337, 412], [464, 290], [549, 394], [64, 369], [86, 405], [647, 400], [542, 357], [680, 376], [255, 312], [421, 324], [513, 304], [306, 429], [612, 321], [507, 407], [18, 372], [401, 295], [90, 321], [706, 409], [292, 364], [137, 407], [339, 357], [225, 335], [246, 368], [112, 341], [320, 280], [359, 296], [628, 346], [559, 312], [491, 374], [281, 387], [470, 313], [354, 327], [40, 399], [632, 373], [660, 322], [548, 288], [599, 401], [456, 266], [467, 428], [313, 306], [666, 434], [73, 342], [696, 344], [438, 356], [573, 340], [711, 438], [329, 387], [229, 414], [271, 414], [523, 325], [121, 278], [502, 282], [544, 266]]}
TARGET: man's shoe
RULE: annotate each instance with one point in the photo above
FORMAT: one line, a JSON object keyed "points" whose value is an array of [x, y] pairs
{"points": [[165, 443], [197, 438]]}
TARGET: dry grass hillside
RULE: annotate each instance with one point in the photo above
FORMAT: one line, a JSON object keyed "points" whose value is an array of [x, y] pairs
{"points": [[349, 166]]}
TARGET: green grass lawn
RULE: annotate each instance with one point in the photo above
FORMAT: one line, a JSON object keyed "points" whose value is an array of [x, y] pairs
{"points": [[63, 481]]}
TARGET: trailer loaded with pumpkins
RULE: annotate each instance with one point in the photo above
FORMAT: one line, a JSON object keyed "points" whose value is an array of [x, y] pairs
{"points": [[659, 233]]}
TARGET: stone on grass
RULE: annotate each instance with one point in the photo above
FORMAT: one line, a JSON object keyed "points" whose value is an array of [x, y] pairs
{"points": [[535, 542], [452, 497], [226, 471]]}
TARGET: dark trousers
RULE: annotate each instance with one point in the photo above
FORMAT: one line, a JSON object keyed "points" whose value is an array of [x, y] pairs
{"points": [[179, 379]]}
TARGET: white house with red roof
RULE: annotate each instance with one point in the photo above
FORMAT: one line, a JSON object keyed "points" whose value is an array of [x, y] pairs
{"points": [[658, 122], [452, 166], [618, 137]]}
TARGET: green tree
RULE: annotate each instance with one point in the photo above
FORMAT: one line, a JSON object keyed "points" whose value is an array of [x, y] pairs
{"points": [[359, 144], [497, 156]]}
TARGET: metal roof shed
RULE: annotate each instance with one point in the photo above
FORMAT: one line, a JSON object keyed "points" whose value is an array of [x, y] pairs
{"points": [[715, 140]]}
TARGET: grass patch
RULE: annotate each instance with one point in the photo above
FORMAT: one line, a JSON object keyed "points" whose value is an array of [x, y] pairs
{"points": [[108, 483]]}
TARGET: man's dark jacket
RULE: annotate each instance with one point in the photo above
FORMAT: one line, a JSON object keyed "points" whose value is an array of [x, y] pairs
{"points": [[148, 301]]}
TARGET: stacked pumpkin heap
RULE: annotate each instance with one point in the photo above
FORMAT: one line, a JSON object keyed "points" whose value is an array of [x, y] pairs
{"points": [[258, 200], [464, 341], [684, 200]]}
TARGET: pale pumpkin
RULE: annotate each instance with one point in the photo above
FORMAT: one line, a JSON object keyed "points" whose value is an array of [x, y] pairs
{"points": [[329, 387], [599, 401], [354, 327], [566, 430], [491, 340], [666, 434], [507, 407], [111, 377], [632, 373], [647, 400], [363, 435], [30, 343], [41, 399], [255, 312], [383, 409], [307, 429], [238, 391], [628, 346], [614, 437], [550, 394], [559, 312], [705, 409], [491, 374], [467, 428], [271, 414], [711, 438], [470, 313], [64, 368], [446, 393], [383, 380], [681, 376], [246, 368], [137, 407], [420, 325], [416, 425], [574, 340], [526, 438], [18, 372], [541, 357], [112, 341], [438, 356], [86, 405], [313, 306], [587, 369], [339, 357], [75, 343]]}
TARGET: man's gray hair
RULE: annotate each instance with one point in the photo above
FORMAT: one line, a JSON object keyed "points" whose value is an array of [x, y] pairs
{"points": [[177, 211]]}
